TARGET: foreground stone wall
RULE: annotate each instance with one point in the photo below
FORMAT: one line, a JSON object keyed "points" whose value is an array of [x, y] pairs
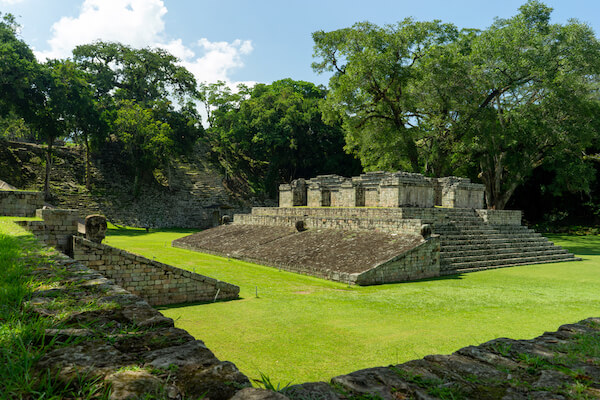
{"points": [[20, 203], [155, 282], [557, 365], [56, 229], [115, 340]]}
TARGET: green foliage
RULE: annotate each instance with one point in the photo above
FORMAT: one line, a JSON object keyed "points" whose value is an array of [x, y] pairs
{"points": [[145, 140], [373, 87], [142, 75], [19, 72], [266, 383], [496, 103], [273, 133]]}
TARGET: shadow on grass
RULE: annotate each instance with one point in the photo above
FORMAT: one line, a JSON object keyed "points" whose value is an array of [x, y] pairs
{"points": [[130, 232], [193, 303], [579, 245]]}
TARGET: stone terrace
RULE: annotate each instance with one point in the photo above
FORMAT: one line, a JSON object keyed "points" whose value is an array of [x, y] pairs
{"points": [[470, 239], [357, 257]]}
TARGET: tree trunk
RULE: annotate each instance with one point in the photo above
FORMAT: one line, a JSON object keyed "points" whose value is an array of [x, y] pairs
{"points": [[48, 168], [88, 183]]}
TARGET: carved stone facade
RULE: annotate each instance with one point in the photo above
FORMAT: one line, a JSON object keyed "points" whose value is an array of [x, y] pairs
{"points": [[382, 189]]}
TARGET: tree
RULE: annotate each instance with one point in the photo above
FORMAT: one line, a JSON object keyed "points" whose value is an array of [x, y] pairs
{"points": [[82, 114], [142, 75], [372, 90], [146, 140], [19, 71], [150, 79], [500, 102], [274, 133], [532, 102]]}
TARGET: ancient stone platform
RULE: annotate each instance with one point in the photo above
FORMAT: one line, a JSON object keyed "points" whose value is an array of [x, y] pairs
{"points": [[350, 256], [465, 240]]}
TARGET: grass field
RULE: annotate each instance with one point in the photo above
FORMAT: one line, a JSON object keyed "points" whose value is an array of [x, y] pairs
{"points": [[301, 328]]}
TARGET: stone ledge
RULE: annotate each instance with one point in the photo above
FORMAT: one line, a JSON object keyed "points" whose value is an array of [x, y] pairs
{"points": [[131, 349], [551, 366]]}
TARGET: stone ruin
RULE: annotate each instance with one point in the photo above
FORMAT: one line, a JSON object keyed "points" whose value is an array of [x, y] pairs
{"points": [[382, 189], [379, 227]]}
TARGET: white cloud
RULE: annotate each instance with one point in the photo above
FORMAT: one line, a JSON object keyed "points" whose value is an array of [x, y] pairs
{"points": [[10, 2], [139, 23], [218, 59]]}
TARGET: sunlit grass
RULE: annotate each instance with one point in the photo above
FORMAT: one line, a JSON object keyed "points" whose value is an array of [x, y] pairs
{"points": [[301, 328]]}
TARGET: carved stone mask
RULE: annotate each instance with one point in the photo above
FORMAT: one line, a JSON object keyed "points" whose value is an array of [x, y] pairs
{"points": [[95, 228]]}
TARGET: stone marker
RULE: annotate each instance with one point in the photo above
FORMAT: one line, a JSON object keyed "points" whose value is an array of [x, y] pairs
{"points": [[95, 228]]}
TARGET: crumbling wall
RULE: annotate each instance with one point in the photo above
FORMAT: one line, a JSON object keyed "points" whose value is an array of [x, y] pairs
{"points": [[155, 282], [56, 229], [20, 203]]}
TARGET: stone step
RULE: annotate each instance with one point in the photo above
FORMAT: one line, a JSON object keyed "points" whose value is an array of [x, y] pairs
{"points": [[484, 231], [500, 256], [475, 269], [500, 246], [452, 240], [468, 251], [508, 261]]}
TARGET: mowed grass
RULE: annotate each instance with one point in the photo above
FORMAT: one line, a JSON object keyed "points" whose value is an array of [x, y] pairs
{"points": [[302, 329]]}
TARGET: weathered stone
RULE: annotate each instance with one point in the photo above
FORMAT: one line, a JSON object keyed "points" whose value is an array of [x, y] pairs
{"points": [[95, 228], [218, 381], [262, 394], [311, 391], [137, 384], [552, 380], [193, 352]]}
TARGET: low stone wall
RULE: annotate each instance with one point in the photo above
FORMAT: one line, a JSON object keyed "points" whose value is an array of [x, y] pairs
{"points": [[499, 369], [56, 229], [155, 282], [500, 217], [19, 203], [420, 262], [115, 340], [407, 226]]}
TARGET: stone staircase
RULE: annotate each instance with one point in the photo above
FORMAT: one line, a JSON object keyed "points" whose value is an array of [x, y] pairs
{"points": [[468, 245]]}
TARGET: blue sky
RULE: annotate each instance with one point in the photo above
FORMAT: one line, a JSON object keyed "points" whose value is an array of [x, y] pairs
{"points": [[245, 40]]}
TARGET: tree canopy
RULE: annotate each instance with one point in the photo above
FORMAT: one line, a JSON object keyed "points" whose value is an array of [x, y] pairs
{"points": [[274, 133], [496, 103]]}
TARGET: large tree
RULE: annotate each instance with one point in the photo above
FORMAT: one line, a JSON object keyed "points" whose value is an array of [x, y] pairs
{"points": [[152, 80], [142, 75], [275, 133], [146, 140], [499, 102], [532, 101], [372, 90], [19, 72]]}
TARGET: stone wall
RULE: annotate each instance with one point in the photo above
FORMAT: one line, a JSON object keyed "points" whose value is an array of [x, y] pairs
{"points": [[406, 190], [20, 203], [155, 282], [383, 189], [56, 229], [455, 192], [420, 262], [409, 226], [111, 339], [500, 217]]}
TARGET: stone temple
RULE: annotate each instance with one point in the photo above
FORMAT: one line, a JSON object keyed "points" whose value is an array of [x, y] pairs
{"points": [[379, 227]]}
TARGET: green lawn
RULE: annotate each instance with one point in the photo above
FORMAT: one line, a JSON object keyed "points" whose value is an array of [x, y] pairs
{"points": [[301, 328]]}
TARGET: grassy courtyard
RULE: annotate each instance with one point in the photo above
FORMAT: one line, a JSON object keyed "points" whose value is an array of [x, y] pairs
{"points": [[301, 328]]}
